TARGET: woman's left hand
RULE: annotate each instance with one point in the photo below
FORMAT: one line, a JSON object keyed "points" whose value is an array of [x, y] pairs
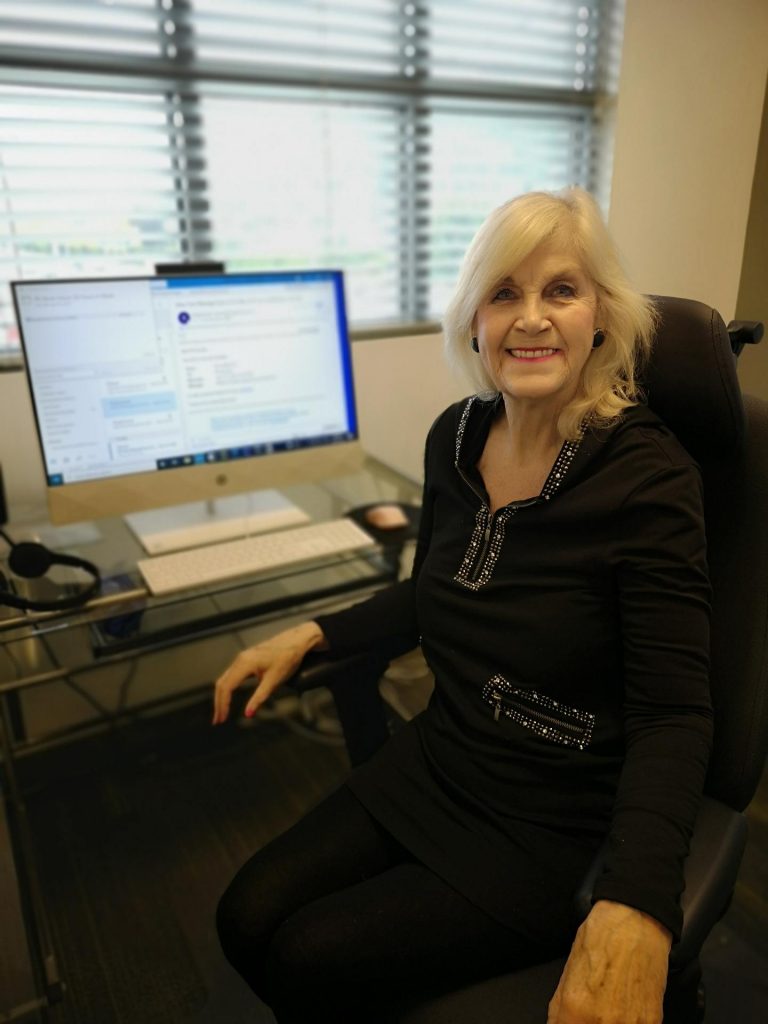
{"points": [[617, 969]]}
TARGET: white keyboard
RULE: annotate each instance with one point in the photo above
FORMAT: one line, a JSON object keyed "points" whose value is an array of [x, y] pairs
{"points": [[197, 567]]}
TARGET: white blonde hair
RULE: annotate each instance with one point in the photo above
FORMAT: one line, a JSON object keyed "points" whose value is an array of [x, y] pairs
{"points": [[507, 237]]}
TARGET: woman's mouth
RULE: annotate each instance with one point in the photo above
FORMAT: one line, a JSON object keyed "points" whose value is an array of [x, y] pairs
{"points": [[532, 354]]}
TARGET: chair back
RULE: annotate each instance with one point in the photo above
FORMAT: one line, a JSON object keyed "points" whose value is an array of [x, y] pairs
{"points": [[691, 383]]}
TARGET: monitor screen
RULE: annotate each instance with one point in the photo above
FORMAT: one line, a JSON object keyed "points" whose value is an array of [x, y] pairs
{"points": [[162, 390]]}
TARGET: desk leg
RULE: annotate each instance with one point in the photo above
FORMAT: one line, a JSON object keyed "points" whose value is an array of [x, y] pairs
{"points": [[38, 930]]}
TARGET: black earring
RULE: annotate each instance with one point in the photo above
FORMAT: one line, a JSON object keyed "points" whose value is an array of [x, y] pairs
{"points": [[474, 346], [598, 339]]}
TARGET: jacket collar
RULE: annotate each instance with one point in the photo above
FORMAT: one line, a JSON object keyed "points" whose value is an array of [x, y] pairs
{"points": [[574, 458]]}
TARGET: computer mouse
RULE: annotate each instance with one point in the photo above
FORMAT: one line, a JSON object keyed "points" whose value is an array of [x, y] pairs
{"points": [[386, 517]]}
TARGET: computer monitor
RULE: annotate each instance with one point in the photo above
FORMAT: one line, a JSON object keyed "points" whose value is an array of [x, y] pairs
{"points": [[164, 390]]}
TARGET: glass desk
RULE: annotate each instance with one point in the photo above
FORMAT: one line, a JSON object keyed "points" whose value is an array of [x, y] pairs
{"points": [[126, 642]]}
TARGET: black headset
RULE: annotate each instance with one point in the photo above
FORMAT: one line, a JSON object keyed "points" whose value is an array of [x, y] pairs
{"points": [[30, 560]]}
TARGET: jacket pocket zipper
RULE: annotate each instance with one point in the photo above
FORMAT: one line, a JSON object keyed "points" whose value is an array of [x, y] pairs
{"points": [[548, 718]]}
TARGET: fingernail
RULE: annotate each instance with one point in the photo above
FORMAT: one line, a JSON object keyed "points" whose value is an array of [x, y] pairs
{"points": [[249, 712]]}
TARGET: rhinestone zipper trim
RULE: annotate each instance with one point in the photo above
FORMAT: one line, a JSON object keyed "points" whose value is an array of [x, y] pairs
{"points": [[547, 718], [462, 426], [485, 546], [487, 538], [561, 466]]}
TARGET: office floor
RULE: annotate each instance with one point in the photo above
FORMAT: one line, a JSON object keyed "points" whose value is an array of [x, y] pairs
{"points": [[138, 831]]}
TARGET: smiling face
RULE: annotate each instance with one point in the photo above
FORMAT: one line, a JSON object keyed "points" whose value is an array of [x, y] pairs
{"points": [[535, 329]]}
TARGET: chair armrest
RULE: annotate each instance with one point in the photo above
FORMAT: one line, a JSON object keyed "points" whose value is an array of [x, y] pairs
{"points": [[353, 681], [322, 668], [717, 846]]}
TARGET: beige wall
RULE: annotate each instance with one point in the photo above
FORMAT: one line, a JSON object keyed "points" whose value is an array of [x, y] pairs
{"points": [[402, 383], [19, 455], [688, 119], [752, 302]]}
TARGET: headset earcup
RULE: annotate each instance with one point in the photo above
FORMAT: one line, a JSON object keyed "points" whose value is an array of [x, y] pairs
{"points": [[30, 560]]}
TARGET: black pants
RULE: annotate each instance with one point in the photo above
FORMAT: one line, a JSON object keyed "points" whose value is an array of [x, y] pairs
{"points": [[335, 920]]}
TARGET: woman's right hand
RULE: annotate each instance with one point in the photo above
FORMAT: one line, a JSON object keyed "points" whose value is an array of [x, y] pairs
{"points": [[270, 663]]}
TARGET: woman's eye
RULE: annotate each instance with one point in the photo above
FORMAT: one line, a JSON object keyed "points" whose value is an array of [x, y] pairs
{"points": [[563, 290], [502, 294]]}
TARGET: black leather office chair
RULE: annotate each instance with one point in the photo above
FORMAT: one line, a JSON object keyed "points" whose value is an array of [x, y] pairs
{"points": [[691, 383]]}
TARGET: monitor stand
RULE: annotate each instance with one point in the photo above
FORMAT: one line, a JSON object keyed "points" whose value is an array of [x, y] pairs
{"points": [[205, 522]]}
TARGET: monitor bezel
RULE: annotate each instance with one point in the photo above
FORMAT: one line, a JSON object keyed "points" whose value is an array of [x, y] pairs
{"points": [[100, 497]]}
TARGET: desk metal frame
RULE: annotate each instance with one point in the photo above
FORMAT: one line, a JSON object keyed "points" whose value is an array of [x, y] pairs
{"points": [[210, 612]]}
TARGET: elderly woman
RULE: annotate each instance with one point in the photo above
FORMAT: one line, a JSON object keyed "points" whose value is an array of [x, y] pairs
{"points": [[560, 596]]}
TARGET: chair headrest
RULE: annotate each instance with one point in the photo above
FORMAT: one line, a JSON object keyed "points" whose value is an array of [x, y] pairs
{"points": [[690, 379]]}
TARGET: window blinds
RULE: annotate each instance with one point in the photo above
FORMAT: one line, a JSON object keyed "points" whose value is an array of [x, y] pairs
{"points": [[371, 135]]}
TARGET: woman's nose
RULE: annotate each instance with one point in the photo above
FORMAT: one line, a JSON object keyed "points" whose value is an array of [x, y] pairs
{"points": [[532, 314]]}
